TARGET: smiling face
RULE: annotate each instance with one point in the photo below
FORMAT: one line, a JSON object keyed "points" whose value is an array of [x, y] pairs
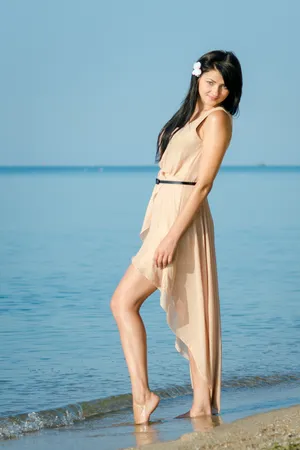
{"points": [[212, 89]]}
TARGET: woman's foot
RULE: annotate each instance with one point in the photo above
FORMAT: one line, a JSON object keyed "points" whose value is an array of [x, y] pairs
{"points": [[142, 412], [199, 412]]}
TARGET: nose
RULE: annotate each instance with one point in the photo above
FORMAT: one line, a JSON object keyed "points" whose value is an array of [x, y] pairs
{"points": [[215, 93]]}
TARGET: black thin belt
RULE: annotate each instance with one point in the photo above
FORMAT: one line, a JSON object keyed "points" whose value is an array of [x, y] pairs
{"points": [[174, 182]]}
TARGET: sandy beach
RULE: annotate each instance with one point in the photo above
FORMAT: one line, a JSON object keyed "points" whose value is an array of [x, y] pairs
{"points": [[278, 429]]}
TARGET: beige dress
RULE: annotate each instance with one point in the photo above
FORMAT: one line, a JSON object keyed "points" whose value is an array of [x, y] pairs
{"points": [[189, 285]]}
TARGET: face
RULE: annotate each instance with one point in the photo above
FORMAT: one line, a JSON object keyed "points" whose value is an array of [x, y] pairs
{"points": [[212, 89]]}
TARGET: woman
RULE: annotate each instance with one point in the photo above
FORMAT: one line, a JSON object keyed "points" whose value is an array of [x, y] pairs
{"points": [[178, 253]]}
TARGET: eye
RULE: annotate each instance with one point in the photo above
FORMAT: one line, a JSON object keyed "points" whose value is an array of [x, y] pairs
{"points": [[210, 82]]}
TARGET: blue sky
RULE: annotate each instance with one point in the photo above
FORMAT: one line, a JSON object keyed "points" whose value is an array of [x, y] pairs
{"points": [[92, 82]]}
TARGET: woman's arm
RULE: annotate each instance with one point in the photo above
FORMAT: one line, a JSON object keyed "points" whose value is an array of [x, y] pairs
{"points": [[217, 134], [217, 131]]}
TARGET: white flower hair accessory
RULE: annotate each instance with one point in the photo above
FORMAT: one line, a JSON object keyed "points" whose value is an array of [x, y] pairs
{"points": [[197, 69]]}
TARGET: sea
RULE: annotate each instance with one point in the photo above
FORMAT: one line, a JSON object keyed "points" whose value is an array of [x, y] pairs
{"points": [[67, 235]]}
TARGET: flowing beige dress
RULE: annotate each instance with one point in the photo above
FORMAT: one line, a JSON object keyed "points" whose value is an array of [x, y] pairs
{"points": [[189, 285]]}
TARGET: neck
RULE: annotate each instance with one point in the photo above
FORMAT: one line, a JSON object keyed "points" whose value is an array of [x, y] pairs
{"points": [[201, 108]]}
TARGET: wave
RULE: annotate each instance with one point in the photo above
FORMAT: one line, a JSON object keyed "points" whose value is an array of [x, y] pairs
{"points": [[16, 426]]}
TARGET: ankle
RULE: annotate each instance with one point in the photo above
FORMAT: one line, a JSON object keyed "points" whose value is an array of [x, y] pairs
{"points": [[140, 397], [198, 410], [201, 400]]}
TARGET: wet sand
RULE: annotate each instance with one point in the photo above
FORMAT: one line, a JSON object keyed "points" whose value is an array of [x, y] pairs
{"points": [[260, 431]]}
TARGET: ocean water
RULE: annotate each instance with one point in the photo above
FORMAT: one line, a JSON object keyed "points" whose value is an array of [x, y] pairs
{"points": [[66, 238]]}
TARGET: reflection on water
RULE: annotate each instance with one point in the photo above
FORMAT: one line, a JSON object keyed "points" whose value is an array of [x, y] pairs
{"points": [[206, 423], [149, 434], [145, 434]]}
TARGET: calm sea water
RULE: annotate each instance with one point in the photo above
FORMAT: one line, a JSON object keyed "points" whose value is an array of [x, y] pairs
{"points": [[66, 238]]}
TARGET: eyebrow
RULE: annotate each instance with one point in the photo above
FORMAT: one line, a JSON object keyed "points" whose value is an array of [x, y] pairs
{"points": [[214, 81]]}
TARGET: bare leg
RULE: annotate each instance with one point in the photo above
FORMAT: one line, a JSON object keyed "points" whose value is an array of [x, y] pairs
{"points": [[201, 400], [126, 302]]}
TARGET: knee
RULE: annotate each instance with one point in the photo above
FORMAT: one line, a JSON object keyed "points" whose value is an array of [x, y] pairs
{"points": [[114, 306], [121, 305], [117, 306]]}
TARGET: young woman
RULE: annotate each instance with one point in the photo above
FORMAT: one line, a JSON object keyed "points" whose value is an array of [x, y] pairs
{"points": [[178, 251]]}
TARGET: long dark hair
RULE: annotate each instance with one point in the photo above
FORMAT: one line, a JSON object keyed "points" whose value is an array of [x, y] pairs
{"points": [[229, 67]]}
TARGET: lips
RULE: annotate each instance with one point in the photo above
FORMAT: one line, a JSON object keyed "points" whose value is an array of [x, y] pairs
{"points": [[212, 98]]}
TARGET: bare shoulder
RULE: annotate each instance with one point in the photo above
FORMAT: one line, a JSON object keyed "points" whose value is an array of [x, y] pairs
{"points": [[219, 119], [217, 122]]}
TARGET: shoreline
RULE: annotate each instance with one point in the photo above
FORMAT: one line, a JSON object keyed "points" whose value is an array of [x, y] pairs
{"points": [[259, 431]]}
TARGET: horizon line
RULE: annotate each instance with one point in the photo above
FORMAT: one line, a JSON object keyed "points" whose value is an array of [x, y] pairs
{"points": [[136, 165]]}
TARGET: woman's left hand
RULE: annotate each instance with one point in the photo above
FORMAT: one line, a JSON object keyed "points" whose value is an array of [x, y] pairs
{"points": [[164, 253]]}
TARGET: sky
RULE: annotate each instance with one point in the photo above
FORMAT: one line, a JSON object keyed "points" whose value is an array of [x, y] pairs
{"points": [[93, 82]]}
